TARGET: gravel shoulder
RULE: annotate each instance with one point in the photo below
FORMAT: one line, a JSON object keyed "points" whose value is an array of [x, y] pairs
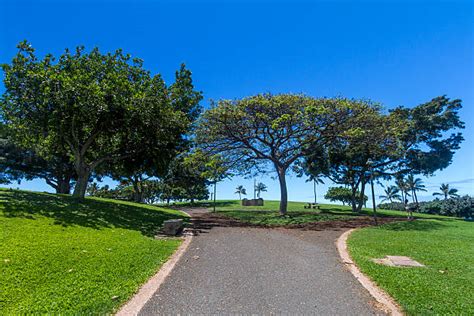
{"points": [[261, 271]]}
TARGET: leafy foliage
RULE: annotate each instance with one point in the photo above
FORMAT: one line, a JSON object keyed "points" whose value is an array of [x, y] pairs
{"points": [[17, 163], [95, 108], [268, 130], [340, 194], [391, 194], [455, 206], [184, 181], [394, 144], [397, 206]]}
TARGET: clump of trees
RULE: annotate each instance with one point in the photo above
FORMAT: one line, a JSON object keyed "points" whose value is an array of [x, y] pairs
{"points": [[460, 206], [348, 141], [85, 115], [268, 132]]}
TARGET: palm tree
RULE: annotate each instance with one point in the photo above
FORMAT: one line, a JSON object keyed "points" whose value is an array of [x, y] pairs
{"points": [[260, 187], [446, 191], [415, 184], [315, 180], [403, 187], [240, 190], [391, 193]]}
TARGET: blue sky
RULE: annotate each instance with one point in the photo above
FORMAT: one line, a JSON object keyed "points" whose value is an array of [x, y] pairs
{"points": [[393, 52]]}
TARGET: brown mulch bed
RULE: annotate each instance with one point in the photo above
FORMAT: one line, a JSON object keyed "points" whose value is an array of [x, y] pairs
{"points": [[205, 221]]}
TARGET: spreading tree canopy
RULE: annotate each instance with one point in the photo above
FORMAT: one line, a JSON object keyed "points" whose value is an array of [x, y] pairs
{"points": [[269, 130], [417, 140]]}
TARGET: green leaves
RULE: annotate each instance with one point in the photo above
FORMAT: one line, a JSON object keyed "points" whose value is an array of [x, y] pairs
{"points": [[96, 108]]}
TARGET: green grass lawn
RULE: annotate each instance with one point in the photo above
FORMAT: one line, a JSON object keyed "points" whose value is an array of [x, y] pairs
{"points": [[297, 214], [60, 256], [446, 247]]}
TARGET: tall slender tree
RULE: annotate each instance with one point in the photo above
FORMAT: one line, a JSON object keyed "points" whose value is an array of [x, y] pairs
{"points": [[240, 190], [259, 188], [403, 187], [446, 191], [415, 185], [391, 194]]}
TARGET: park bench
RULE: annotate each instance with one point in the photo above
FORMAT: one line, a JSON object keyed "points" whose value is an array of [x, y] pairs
{"points": [[312, 206]]}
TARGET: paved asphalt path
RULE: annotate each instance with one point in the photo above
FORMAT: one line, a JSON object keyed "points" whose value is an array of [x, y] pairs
{"points": [[229, 270]]}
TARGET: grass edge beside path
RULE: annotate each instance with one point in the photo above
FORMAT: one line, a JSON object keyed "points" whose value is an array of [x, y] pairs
{"points": [[60, 256], [445, 286]]}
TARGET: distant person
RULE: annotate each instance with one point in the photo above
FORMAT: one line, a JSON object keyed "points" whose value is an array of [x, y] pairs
{"points": [[408, 209]]}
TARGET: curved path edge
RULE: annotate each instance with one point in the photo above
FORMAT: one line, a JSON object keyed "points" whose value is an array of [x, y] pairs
{"points": [[387, 303], [146, 291]]}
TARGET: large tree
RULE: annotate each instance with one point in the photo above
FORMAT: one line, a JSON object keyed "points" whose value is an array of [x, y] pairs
{"points": [[405, 140], [137, 170], [269, 130], [184, 181], [212, 167], [367, 144], [104, 108], [341, 194]]}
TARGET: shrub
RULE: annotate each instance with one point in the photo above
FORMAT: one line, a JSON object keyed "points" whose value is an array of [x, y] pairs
{"points": [[396, 206], [458, 206]]}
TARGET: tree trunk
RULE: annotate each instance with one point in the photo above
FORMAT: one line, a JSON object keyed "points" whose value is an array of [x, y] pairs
{"points": [[81, 184], [137, 191], [215, 185], [314, 190], [283, 190], [374, 206], [83, 173], [362, 196], [64, 185], [354, 198]]}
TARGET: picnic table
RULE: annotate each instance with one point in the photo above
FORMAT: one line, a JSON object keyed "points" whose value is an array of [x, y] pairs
{"points": [[312, 206]]}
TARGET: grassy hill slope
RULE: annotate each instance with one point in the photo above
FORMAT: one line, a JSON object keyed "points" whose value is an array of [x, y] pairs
{"points": [[58, 255]]}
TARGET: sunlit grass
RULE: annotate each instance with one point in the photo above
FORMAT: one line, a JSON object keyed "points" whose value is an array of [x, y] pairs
{"points": [[57, 255], [446, 247]]}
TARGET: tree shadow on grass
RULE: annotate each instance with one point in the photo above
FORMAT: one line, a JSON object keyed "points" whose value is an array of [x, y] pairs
{"points": [[91, 213]]}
